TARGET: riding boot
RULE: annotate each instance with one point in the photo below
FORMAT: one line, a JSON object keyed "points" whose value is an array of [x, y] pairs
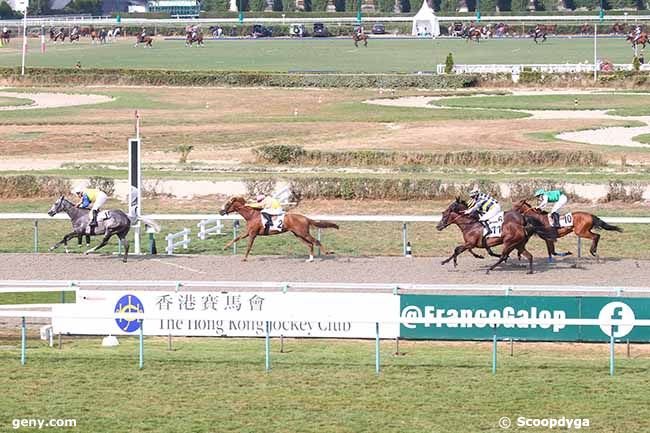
{"points": [[556, 219], [269, 223], [93, 221], [487, 227]]}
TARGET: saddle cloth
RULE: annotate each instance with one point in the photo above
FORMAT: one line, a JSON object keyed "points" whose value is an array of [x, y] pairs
{"points": [[495, 224], [566, 220], [278, 222]]}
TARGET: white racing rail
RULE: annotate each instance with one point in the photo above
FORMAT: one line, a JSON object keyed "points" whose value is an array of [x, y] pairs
{"points": [[518, 69], [172, 243]]}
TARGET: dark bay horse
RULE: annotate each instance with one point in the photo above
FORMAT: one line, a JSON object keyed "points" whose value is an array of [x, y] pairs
{"points": [[116, 222], [583, 224], [297, 224], [5, 37], [189, 39], [515, 232], [474, 35], [358, 37], [538, 33]]}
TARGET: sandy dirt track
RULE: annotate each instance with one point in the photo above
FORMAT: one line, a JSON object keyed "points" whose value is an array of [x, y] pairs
{"points": [[612, 272]]}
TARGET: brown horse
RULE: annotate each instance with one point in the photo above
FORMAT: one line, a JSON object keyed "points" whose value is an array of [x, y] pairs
{"points": [[358, 37], [5, 37], [189, 39], [297, 224], [583, 224], [146, 40], [515, 232], [618, 28], [474, 35], [641, 40]]}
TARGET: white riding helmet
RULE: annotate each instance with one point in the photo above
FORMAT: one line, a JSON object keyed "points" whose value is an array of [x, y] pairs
{"points": [[474, 192], [260, 198], [78, 189]]}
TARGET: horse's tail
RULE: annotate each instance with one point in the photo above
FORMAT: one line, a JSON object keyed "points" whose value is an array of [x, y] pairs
{"points": [[597, 223], [323, 224], [534, 226], [151, 223]]}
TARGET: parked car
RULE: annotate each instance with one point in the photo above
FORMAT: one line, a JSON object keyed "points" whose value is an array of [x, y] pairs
{"points": [[378, 29], [320, 30], [259, 31], [298, 31]]}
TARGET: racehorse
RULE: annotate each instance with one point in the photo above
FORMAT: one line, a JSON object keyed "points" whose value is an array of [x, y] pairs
{"points": [[74, 37], [297, 224], [4, 38], [474, 34], [515, 232], [146, 40], [538, 32], [189, 39], [358, 37], [56, 35], [583, 224], [586, 29], [115, 222], [618, 28], [641, 40]]}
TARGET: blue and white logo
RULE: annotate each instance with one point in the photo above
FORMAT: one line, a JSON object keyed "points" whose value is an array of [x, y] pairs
{"points": [[128, 304], [617, 311]]}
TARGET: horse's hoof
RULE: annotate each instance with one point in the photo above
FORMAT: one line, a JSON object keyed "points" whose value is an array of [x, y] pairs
{"points": [[310, 259], [550, 260], [487, 272], [244, 260], [529, 273], [444, 262]]}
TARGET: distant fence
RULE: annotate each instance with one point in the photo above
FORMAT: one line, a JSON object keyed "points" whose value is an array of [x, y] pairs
{"points": [[548, 68]]}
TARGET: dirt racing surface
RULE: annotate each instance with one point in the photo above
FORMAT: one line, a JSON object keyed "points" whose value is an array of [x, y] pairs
{"points": [[394, 270]]}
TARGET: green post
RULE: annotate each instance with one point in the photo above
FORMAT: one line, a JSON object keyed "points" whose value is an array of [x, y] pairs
{"points": [[478, 11], [241, 12], [602, 12], [359, 12]]}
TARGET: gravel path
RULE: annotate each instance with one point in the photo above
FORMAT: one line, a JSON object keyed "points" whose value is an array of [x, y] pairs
{"points": [[419, 270], [613, 136], [53, 100]]}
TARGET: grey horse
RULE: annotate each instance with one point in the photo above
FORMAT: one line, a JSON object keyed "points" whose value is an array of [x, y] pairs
{"points": [[109, 223]]}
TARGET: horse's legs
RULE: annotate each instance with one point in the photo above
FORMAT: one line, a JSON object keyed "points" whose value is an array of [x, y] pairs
{"points": [[238, 238], [522, 251], [251, 239], [457, 251], [507, 249], [309, 243], [476, 256], [365, 42], [595, 237], [65, 240], [103, 243]]}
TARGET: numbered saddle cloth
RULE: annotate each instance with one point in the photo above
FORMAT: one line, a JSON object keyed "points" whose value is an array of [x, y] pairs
{"points": [[566, 220], [278, 222], [495, 223]]}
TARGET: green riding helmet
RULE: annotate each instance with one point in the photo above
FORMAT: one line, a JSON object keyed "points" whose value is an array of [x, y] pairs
{"points": [[539, 192]]}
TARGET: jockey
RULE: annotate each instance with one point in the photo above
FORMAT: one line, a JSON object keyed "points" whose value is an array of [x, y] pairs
{"points": [[270, 207], [5, 30], [557, 197], [637, 33], [74, 31], [143, 34], [485, 205], [90, 196]]}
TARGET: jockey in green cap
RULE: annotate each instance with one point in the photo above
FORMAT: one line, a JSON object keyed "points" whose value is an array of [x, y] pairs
{"points": [[557, 197]]}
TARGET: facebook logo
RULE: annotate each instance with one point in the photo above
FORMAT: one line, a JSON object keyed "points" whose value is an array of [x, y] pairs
{"points": [[617, 311]]}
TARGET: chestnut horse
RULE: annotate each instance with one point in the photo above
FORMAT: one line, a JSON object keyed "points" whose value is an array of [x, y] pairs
{"points": [[583, 224], [297, 224], [515, 232], [642, 40], [146, 40], [358, 37], [475, 35]]}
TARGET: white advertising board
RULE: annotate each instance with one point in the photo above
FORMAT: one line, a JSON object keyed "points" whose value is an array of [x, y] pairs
{"points": [[240, 314]]}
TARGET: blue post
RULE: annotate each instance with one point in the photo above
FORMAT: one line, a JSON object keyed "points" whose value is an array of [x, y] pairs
{"points": [[611, 351], [141, 344], [494, 351], [377, 367], [267, 347], [23, 343]]}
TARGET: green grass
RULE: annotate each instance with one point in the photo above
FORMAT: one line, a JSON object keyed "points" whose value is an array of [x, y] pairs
{"points": [[643, 138], [319, 55], [13, 102], [37, 297], [552, 102], [220, 385]]}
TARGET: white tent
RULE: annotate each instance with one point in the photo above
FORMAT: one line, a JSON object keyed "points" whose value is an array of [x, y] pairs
{"points": [[425, 22]]}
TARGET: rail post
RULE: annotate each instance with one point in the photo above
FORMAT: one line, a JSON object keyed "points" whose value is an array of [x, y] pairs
{"points": [[267, 347], [141, 364], [35, 236], [377, 363], [579, 247], [611, 350], [404, 236], [23, 342], [318, 234], [494, 350], [235, 226]]}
